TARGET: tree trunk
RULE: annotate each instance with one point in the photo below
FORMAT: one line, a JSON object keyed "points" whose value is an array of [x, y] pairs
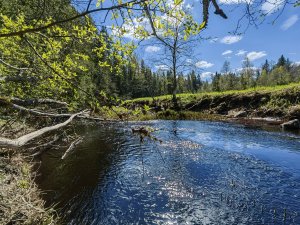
{"points": [[174, 99]]}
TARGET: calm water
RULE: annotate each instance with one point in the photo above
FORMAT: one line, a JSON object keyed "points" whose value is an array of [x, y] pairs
{"points": [[203, 173]]}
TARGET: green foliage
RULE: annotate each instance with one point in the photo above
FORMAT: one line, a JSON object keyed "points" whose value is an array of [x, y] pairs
{"points": [[60, 62], [24, 184], [168, 114]]}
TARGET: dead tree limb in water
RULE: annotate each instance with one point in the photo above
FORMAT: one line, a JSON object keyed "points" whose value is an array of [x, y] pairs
{"points": [[72, 146], [21, 141]]}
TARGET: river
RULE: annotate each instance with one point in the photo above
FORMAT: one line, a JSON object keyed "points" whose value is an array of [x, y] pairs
{"points": [[201, 173]]}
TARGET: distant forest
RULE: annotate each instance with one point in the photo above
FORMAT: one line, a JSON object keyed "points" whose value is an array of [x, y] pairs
{"points": [[148, 83]]}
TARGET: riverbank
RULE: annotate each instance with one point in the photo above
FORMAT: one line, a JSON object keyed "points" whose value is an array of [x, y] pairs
{"points": [[274, 105], [21, 201]]}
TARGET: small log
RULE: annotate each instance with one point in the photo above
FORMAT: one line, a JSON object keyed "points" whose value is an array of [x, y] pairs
{"points": [[71, 147], [291, 125]]}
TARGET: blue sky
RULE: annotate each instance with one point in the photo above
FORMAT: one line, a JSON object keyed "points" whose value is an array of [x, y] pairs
{"points": [[269, 40], [266, 41]]}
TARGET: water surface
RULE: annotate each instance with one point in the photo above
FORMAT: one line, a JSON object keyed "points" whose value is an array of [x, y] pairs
{"points": [[201, 173]]}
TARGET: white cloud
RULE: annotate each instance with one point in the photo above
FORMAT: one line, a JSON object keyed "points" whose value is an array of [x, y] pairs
{"points": [[152, 48], [128, 29], [241, 52], [228, 52], [230, 39], [190, 61], [189, 7], [239, 70], [203, 64], [296, 63], [162, 67], [206, 75], [271, 6], [256, 55], [171, 18], [171, 4], [289, 22]]}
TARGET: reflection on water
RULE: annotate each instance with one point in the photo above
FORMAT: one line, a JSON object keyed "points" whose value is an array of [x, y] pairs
{"points": [[204, 173]]}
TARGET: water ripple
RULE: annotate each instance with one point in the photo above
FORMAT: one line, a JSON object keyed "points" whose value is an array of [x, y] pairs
{"points": [[204, 173]]}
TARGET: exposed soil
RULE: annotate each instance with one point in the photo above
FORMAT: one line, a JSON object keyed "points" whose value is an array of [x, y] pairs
{"points": [[282, 105]]}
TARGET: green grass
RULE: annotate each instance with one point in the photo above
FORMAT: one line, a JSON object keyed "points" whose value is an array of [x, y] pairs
{"points": [[187, 97], [261, 101]]}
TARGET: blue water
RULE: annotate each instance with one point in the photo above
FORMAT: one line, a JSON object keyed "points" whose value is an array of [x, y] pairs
{"points": [[201, 173]]}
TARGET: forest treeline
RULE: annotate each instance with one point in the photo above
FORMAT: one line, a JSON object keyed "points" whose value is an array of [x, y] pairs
{"points": [[81, 63], [269, 74]]}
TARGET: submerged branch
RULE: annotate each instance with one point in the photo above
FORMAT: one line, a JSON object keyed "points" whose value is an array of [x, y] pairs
{"points": [[71, 147]]}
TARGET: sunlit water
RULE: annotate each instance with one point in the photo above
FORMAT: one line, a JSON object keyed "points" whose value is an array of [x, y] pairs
{"points": [[201, 173]]}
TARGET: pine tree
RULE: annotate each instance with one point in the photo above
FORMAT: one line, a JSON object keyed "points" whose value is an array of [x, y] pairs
{"points": [[281, 61], [266, 66], [216, 82], [226, 67]]}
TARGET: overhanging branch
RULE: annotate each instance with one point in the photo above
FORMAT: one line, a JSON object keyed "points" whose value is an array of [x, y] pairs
{"points": [[87, 12]]}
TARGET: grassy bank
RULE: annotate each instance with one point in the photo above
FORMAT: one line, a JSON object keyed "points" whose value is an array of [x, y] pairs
{"points": [[187, 97], [279, 101]]}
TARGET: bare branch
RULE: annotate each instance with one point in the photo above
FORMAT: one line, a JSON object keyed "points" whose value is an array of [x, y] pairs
{"points": [[21, 141], [11, 66], [71, 147]]}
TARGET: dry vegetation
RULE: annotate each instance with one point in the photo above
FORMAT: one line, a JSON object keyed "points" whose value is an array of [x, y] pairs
{"points": [[20, 198]]}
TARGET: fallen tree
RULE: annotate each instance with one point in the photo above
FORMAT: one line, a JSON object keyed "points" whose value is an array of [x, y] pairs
{"points": [[21, 141]]}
